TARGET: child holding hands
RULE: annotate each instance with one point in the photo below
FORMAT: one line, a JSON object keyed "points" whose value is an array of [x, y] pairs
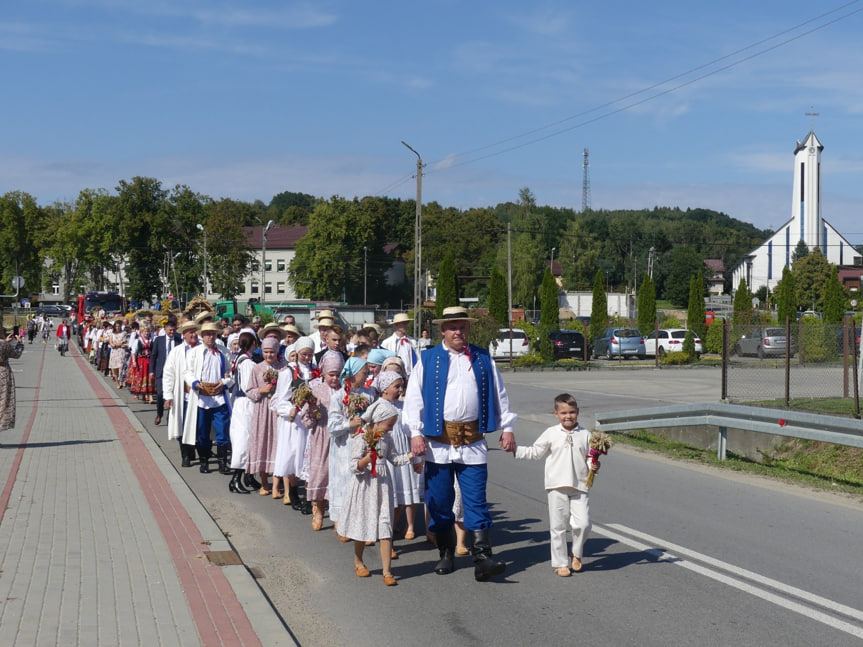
{"points": [[567, 467], [367, 512]]}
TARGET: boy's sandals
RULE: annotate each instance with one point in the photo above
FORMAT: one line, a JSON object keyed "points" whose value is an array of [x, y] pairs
{"points": [[563, 571], [264, 492], [576, 564], [410, 534], [461, 550], [362, 571]]}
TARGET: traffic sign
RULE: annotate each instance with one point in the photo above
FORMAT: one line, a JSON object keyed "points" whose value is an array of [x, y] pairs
{"points": [[17, 282]]}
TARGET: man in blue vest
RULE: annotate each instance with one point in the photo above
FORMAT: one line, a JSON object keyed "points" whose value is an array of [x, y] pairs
{"points": [[455, 396]]}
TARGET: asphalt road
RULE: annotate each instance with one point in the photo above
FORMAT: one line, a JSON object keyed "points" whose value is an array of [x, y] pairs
{"points": [[679, 555]]}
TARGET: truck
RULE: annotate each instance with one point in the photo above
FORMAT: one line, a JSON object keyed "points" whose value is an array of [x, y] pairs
{"points": [[113, 304]]}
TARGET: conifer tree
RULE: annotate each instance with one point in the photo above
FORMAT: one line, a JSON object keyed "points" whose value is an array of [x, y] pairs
{"points": [[599, 307], [647, 306], [549, 314], [834, 298], [447, 285], [497, 300], [742, 303], [695, 313], [786, 297]]}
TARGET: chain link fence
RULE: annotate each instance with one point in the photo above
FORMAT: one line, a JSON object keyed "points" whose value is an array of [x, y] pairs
{"points": [[803, 360]]}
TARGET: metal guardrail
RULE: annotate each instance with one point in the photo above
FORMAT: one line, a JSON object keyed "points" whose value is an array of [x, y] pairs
{"points": [[779, 422]]}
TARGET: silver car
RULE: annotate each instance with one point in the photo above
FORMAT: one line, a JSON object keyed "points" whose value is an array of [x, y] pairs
{"points": [[763, 342]]}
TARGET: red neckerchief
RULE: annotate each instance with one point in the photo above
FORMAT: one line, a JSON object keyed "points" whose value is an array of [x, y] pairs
{"points": [[369, 381], [347, 391], [467, 354]]}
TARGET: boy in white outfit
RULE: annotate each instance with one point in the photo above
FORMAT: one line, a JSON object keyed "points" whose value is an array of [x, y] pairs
{"points": [[566, 470]]}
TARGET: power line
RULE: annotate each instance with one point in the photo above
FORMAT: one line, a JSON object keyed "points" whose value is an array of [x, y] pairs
{"points": [[607, 107]]}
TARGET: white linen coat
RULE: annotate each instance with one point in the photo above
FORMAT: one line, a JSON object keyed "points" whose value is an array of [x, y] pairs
{"points": [[193, 369]]}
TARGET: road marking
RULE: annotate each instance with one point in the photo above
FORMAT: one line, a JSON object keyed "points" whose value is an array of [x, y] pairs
{"points": [[677, 557]]}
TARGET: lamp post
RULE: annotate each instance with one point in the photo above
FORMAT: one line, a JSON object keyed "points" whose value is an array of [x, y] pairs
{"points": [[418, 240], [264, 264], [365, 273], [551, 262], [204, 231]]}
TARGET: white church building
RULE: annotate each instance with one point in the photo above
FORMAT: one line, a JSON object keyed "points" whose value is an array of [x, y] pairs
{"points": [[764, 265]]}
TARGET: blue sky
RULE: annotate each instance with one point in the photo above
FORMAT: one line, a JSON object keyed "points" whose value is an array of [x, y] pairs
{"points": [[248, 99]]}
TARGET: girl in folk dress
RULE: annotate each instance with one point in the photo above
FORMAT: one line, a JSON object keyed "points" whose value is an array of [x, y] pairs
{"points": [[117, 343], [324, 389], [262, 435], [367, 514], [341, 424], [241, 416], [142, 385], [130, 363], [406, 479]]}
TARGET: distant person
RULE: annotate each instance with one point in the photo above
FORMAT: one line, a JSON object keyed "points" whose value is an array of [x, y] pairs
{"points": [[10, 348], [565, 447], [63, 334]]}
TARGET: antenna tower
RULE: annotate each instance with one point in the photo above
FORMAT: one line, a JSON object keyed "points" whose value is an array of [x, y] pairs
{"points": [[585, 182]]}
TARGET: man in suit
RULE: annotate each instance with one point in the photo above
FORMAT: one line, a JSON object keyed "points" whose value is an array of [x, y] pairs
{"points": [[161, 347]]}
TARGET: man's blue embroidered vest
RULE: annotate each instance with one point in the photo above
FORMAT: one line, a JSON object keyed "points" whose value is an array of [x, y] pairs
{"points": [[435, 370]]}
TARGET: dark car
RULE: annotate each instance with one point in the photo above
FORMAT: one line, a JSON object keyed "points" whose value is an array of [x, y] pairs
{"points": [[568, 344], [52, 311]]}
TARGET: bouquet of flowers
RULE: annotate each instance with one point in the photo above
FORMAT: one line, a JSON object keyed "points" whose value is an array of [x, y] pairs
{"points": [[303, 395], [372, 439], [600, 443], [357, 403], [271, 376]]}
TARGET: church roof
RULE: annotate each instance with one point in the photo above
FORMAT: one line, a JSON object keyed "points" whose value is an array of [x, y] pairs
{"points": [[809, 140]]}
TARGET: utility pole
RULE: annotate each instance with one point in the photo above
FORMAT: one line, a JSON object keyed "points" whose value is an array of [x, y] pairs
{"points": [[418, 240], [263, 298], [204, 231], [365, 273]]}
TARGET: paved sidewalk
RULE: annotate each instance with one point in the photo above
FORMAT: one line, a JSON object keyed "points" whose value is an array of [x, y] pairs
{"points": [[101, 541]]}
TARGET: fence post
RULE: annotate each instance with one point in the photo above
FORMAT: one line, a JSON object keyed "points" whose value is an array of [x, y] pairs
{"points": [[788, 359], [845, 349], [722, 444], [724, 397]]}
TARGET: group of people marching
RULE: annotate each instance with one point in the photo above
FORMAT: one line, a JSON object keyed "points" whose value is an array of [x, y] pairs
{"points": [[335, 423]]}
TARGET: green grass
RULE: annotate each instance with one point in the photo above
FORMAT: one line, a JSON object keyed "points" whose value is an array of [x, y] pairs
{"points": [[831, 406], [822, 466]]}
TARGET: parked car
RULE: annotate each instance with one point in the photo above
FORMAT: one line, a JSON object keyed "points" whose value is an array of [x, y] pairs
{"points": [[619, 342], [568, 344], [763, 342], [669, 340], [840, 340], [500, 348], [52, 311]]}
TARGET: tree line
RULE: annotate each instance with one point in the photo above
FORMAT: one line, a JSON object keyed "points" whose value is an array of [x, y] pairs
{"points": [[152, 231]]}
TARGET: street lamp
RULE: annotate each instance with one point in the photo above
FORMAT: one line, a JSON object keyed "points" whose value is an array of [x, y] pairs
{"points": [[418, 240], [551, 262], [264, 264], [365, 272], [204, 231]]}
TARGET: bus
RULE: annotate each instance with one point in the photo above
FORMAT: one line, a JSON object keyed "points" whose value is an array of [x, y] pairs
{"points": [[111, 302]]}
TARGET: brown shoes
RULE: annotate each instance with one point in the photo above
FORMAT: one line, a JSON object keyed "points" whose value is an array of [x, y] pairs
{"points": [[389, 580], [157, 420], [362, 571]]}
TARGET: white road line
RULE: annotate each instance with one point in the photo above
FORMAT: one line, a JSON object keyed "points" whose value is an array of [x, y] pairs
{"points": [[672, 558]]}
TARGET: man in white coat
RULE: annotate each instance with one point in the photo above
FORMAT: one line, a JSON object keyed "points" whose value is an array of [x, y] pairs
{"points": [[208, 374], [400, 343], [175, 392]]}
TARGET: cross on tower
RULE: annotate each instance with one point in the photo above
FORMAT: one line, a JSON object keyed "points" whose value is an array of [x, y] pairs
{"points": [[812, 114]]}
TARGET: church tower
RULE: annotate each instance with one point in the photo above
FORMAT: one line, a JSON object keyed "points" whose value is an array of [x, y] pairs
{"points": [[806, 203]]}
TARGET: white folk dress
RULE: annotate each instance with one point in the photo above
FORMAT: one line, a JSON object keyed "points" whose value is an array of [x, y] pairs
{"points": [[338, 426], [406, 482], [368, 507]]}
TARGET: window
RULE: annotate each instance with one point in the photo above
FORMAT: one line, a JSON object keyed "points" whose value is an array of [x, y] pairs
{"points": [[268, 288], [253, 289], [268, 265], [256, 266], [55, 289], [280, 265], [280, 287]]}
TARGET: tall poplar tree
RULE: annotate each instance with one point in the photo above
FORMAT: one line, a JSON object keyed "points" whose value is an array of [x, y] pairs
{"points": [[834, 298], [695, 313], [742, 303], [497, 300], [599, 307], [786, 297], [646, 306], [447, 286], [549, 314]]}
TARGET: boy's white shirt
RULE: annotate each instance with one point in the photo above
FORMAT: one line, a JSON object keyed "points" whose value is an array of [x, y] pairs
{"points": [[566, 466]]}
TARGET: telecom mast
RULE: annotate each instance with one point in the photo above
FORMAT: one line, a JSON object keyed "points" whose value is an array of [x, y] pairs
{"points": [[585, 183]]}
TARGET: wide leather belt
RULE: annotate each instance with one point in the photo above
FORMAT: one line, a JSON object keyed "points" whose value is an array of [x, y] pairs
{"points": [[459, 434]]}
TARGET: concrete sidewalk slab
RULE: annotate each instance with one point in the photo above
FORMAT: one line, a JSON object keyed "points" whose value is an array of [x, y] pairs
{"points": [[103, 542]]}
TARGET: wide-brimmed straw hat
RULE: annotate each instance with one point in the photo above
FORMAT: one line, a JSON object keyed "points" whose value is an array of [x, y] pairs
{"points": [[269, 328], [187, 326], [401, 317], [201, 317], [291, 328], [453, 313], [211, 326]]}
